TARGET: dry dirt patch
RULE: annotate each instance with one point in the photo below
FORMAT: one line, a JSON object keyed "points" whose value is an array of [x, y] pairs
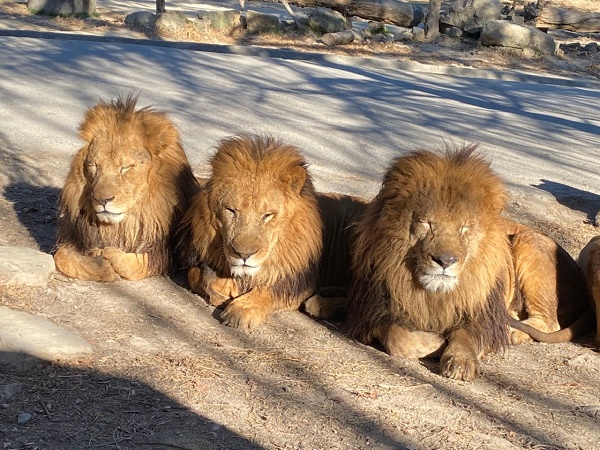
{"points": [[165, 374]]}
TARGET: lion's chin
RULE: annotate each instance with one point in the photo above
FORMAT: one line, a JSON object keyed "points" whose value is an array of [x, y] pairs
{"points": [[438, 283], [244, 271], [110, 218]]}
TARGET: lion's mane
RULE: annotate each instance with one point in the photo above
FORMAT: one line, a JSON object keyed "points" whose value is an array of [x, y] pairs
{"points": [[253, 161], [149, 226], [386, 288]]}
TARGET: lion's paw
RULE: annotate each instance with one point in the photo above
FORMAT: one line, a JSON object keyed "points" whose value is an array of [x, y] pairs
{"points": [[518, 337], [112, 253], [459, 367], [244, 314], [221, 291]]}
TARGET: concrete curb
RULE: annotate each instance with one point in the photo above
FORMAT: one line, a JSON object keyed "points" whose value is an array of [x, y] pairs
{"points": [[323, 58]]}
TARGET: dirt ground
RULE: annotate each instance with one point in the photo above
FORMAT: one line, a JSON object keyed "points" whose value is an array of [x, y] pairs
{"points": [[166, 375]]}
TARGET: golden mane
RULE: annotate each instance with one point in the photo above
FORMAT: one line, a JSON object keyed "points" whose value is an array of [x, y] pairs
{"points": [[148, 226], [386, 290], [258, 166]]}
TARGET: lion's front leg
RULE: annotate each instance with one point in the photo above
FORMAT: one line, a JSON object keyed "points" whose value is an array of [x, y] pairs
{"points": [[400, 341], [249, 309], [216, 290], [131, 266], [92, 267], [460, 360], [327, 308]]}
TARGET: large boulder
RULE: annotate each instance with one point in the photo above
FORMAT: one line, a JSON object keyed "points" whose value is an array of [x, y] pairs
{"points": [[140, 19], [258, 22], [62, 7], [515, 35], [171, 22], [221, 20], [470, 15], [325, 20]]}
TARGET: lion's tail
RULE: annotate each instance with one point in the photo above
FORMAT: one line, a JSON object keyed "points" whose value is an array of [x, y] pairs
{"points": [[582, 325]]}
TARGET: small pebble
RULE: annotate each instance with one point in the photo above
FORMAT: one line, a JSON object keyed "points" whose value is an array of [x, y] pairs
{"points": [[23, 418]]}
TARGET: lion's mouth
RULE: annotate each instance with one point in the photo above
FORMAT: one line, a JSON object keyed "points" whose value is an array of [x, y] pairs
{"points": [[439, 282], [244, 270], [110, 217]]}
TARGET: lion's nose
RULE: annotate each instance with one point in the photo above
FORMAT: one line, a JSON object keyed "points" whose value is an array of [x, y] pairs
{"points": [[105, 201], [444, 260], [245, 253]]}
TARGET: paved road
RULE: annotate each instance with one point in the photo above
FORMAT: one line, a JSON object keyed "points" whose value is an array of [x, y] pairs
{"points": [[350, 120]]}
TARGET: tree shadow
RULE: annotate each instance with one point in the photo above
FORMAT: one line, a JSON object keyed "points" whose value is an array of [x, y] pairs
{"points": [[576, 199], [57, 406], [36, 209]]}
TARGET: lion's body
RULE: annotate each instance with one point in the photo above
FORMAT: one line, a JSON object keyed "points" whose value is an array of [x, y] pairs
{"points": [[589, 260], [437, 270], [253, 236], [127, 188]]}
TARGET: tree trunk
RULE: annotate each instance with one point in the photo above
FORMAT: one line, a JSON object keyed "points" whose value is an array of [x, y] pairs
{"points": [[432, 20], [341, 37], [396, 12], [553, 18]]}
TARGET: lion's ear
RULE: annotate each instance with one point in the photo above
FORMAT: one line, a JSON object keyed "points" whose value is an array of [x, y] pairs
{"points": [[295, 178]]}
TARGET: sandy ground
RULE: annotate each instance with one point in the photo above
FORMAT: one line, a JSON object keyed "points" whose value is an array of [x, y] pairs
{"points": [[167, 375]]}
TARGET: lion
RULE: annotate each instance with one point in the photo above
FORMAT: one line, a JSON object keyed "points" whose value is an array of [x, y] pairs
{"points": [[253, 237], [589, 260], [438, 272], [127, 189]]}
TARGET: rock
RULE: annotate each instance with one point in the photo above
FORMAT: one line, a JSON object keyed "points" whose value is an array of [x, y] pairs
{"points": [[23, 418], [26, 338], [570, 47], [403, 36], [140, 19], [221, 20], [62, 7], [473, 12], [591, 48], [257, 22], [514, 35], [9, 390], [418, 34], [22, 266], [171, 22], [453, 31], [325, 20], [201, 25]]}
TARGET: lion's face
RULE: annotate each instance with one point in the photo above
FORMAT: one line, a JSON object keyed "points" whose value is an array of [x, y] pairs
{"points": [[250, 217], [129, 183], [117, 174], [257, 218], [443, 243], [249, 225]]}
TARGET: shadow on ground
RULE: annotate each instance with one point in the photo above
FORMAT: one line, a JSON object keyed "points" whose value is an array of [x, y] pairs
{"points": [[57, 407], [576, 199]]}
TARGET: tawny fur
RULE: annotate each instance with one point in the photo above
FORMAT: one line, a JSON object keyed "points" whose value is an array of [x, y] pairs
{"points": [[259, 198], [449, 194], [152, 184], [436, 211], [589, 260]]}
